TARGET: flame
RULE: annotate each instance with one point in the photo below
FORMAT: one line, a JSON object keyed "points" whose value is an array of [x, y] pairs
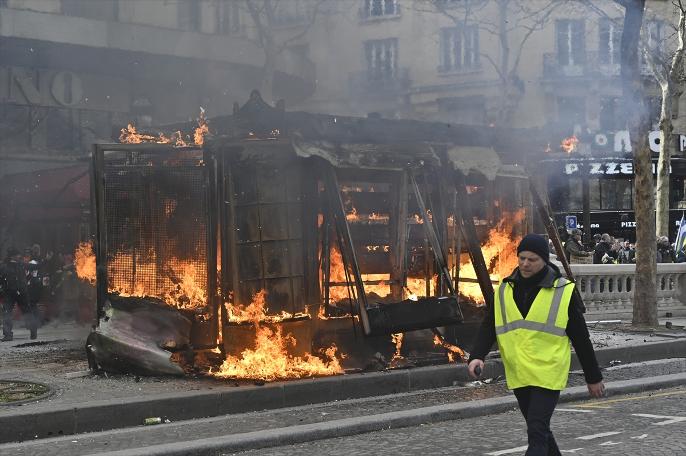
{"points": [[397, 340], [499, 254], [202, 129], [569, 144], [84, 260], [352, 215], [178, 282], [257, 311], [269, 359], [454, 352], [130, 135], [378, 218]]}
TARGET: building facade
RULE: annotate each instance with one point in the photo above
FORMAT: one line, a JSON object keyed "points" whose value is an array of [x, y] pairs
{"points": [[547, 65], [74, 72]]}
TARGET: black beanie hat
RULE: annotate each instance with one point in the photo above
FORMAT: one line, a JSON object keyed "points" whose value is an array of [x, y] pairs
{"points": [[535, 243]]}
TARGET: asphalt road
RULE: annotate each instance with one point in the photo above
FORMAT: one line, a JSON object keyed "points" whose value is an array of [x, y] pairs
{"points": [[644, 424]]}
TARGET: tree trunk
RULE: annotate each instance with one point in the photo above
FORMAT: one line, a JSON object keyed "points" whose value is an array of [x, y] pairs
{"points": [[666, 151], [638, 123]]}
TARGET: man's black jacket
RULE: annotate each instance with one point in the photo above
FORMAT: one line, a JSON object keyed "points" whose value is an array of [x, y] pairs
{"points": [[525, 291]]}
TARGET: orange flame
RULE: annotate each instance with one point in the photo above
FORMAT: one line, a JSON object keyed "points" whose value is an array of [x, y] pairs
{"points": [[84, 261], [269, 360], [499, 253], [569, 144], [130, 135], [397, 340], [202, 129], [178, 282], [257, 311], [454, 352]]}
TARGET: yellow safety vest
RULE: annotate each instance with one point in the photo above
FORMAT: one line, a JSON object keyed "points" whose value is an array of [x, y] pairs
{"points": [[535, 350]]}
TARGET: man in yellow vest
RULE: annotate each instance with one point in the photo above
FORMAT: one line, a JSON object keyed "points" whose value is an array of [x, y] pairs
{"points": [[534, 318]]}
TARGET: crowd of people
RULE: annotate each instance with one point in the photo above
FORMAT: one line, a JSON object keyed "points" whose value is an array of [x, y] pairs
{"points": [[606, 249], [30, 280]]}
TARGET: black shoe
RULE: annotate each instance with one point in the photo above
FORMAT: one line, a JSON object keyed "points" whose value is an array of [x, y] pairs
{"points": [[7, 338], [34, 334]]}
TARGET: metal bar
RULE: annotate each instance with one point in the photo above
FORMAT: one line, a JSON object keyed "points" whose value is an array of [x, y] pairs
{"points": [[100, 244], [348, 249], [431, 235], [210, 172], [399, 234], [326, 257]]}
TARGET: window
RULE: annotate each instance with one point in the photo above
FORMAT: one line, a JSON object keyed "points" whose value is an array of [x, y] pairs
{"points": [[189, 15], [380, 8], [655, 34], [615, 194], [571, 111], [459, 48], [609, 42], [228, 18], [571, 45], [292, 12], [382, 59], [677, 192]]}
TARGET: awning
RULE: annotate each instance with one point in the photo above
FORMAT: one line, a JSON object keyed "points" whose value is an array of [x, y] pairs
{"points": [[54, 194]]}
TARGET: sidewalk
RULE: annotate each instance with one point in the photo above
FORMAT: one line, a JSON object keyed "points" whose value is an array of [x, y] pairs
{"points": [[93, 403]]}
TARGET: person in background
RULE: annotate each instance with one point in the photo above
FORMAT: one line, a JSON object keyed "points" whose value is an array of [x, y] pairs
{"points": [[15, 291], [574, 251], [533, 343], [665, 252], [626, 253], [602, 248]]}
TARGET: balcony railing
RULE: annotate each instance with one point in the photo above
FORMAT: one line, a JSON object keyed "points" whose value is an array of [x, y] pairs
{"points": [[593, 66], [368, 84]]}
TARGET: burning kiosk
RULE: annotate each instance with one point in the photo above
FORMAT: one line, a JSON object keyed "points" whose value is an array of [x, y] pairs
{"points": [[284, 223]]}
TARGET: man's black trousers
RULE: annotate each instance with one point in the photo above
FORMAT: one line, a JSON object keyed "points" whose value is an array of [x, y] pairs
{"points": [[537, 405]]}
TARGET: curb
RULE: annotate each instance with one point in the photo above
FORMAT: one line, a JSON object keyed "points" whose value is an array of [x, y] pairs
{"points": [[95, 416], [393, 420]]}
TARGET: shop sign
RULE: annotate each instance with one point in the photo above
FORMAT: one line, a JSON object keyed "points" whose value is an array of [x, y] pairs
{"points": [[620, 141], [604, 168]]}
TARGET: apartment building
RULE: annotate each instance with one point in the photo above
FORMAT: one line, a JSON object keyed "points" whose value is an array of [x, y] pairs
{"points": [[74, 72], [549, 65]]}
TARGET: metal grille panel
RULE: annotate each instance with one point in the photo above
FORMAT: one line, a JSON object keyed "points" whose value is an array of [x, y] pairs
{"points": [[156, 228]]}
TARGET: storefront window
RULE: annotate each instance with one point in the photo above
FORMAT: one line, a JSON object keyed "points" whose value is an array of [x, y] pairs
{"points": [[565, 195], [594, 190], [615, 194], [677, 193]]}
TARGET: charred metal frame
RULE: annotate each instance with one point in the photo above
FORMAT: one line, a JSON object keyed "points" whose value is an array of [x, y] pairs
{"points": [[204, 334]]}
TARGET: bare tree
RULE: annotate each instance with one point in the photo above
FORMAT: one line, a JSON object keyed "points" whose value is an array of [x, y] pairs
{"points": [[668, 69], [514, 24], [272, 38], [638, 122]]}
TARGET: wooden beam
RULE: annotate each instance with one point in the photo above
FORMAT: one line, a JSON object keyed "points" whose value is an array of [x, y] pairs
{"points": [[472, 240], [348, 249]]}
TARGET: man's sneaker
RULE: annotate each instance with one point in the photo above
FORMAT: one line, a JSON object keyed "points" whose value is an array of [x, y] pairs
{"points": [[7, 338]]}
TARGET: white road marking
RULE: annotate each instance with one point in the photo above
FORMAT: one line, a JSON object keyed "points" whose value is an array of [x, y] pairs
{"points": [[640, 437], [667, 419], [571, 451], [510, 451], [573, 410], [597, 436], [610, 443]]}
